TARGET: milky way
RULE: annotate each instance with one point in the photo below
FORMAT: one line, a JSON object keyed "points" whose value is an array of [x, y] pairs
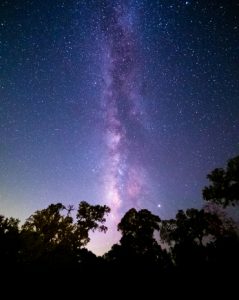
{"points": [[125, 175], [129, 103]]}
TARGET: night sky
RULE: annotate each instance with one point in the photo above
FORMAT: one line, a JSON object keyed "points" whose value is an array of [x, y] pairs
{"points": [[124, 103]]}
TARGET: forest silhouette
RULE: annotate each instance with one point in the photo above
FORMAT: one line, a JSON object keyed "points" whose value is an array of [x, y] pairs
{"points": [[196, 240]]}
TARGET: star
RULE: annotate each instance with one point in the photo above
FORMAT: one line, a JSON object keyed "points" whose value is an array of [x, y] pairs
{"points": [[124, 103]]}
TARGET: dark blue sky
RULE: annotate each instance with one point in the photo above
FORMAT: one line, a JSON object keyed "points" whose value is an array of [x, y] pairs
{"points": [[128, 103]]}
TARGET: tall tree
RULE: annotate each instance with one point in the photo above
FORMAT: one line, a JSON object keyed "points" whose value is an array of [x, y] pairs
{"points": [[90, 217], [193, 235], [224, 187], [138, 244], [138, 228], [52, 236], [192, 226], [9, 240]]}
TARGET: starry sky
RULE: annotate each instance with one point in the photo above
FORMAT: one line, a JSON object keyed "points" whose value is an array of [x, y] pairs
{"points": [[117, 102]]}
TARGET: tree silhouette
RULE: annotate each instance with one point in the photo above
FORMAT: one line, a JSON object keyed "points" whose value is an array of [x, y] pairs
{"points": [[9, 240], [205, 239], [91, 217], [138, 244], [223, 251], [52, 237], [137, 230], [194, 235], [190, 226], [184, 235], [224, 187], [228, 225]]}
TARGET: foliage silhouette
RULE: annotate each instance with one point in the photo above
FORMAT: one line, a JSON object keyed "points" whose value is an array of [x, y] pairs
{"points": [[195, 235], [195, 240], [224, 187], [10, 242], [138, 244], [52, 237]]}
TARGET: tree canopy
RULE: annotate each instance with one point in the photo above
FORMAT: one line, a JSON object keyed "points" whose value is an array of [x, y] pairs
{"points": [[195, 236], [192, 226], [196, 239], [224, 187], [138, 228], [51, 234], [9, 240], [138, 245]]}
